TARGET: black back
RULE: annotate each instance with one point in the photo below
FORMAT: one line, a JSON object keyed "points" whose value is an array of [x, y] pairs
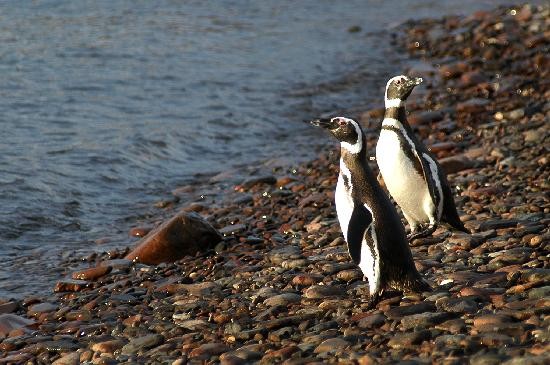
{"points": [[397, 266]]}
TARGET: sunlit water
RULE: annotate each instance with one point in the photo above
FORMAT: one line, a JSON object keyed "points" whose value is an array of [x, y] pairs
{"points": [[107, 106]]}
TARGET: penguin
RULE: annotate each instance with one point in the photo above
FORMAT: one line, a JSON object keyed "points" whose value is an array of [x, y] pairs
{"points": [[372, 229], [411, 172]]}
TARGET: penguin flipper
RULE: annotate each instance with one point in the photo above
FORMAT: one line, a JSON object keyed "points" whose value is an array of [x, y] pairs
{"points": [[450, 214], [359, 223], [432, 189]]}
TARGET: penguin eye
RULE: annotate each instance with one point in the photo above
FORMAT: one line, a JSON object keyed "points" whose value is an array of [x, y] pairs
{"points": [[398, 82], [342, 122]]}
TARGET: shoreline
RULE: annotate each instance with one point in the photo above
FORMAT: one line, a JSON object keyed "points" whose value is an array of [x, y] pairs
{"points": [[283, 287]]}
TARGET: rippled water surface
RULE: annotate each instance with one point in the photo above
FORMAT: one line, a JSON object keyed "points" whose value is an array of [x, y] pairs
{"points": [[106, 106]]}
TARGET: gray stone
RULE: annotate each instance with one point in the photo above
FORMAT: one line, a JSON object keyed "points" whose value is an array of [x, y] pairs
{"points": [[406, 310], [538, 293], [457, 305], [283, 299], [487, 359], [535, 275], [72, 358], [372, 321], [427, 319], [42, 308], [323, 291], [408, 339], [140, 344], [331, 344], [529, 360]]}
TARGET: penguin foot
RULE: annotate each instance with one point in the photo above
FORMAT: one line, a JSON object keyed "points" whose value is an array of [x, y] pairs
{"points": [[373, 300], [425, 233]]}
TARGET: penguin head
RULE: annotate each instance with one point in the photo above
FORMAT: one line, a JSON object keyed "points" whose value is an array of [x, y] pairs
{"points": [[400, 87], [346, 130]]}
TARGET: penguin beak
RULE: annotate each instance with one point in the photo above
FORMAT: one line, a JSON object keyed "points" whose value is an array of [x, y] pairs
{"points": [[417, 81], [322, 122]]}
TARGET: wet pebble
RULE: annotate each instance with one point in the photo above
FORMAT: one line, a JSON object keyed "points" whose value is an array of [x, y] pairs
{"points": [[92, 273], [423, 320], [323, 291], [140, 344], [72, 358], [332, 344], [408, 339], [283, 299], [108, 346]]}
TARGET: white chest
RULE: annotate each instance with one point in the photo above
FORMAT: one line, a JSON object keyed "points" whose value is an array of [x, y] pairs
{"points": [[344, 205], [405, 184]]}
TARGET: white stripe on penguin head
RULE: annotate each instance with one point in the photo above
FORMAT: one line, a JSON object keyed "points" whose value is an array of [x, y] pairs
{"points": [[358, 145], [392, 103]]}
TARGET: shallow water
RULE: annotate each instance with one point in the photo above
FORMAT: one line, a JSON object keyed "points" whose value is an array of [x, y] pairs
{"points": [[107, 106]]}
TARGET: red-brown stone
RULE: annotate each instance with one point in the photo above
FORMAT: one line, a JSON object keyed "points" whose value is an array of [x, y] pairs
{"points": [[92, 273], [184, 234]]}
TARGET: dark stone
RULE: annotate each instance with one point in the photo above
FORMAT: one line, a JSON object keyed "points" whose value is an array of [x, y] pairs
{"points": [[457, 163], [8, 307], [458, 305], [425, 117], [92, 273], [428, 319], [70, 285], [9, 322], [269, 179], [232, 229], [496, 224], [139, 344], [408, 339], [406, 310]]}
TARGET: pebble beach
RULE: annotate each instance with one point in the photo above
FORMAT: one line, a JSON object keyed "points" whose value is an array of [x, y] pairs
{"points": [[274, 284]]}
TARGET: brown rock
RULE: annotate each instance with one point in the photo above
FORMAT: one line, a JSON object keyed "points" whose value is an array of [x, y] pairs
{"points": [[72, 358], [425, 118], [491, 319], [473, 105], [108, 346], [202, 289], [232, 360], [376, 113], [306, 279], [280, 354], [139, 231], [284, 181], [184, 234], [41, 308], [323, 291], [442, 146], [408, 339], [372, 321], [485, 191], [456, 163], [209, 349], [69, 285], [10, 322], [8, 307], [92, 273], [331, 344], [16, 359], [453, 70], [350, 275], [472, 78]]}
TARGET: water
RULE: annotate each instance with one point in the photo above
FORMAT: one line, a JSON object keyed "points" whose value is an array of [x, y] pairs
{"points": [[106, 106]]}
